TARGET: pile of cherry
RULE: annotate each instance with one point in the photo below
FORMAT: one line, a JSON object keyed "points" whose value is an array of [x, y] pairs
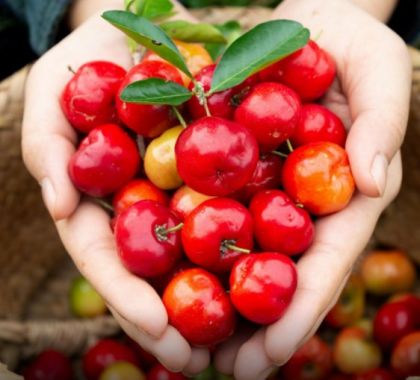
{"points": [[210, 213]]}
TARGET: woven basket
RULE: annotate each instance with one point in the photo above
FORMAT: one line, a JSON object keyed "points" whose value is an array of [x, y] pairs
{"points": [[34, 268]]}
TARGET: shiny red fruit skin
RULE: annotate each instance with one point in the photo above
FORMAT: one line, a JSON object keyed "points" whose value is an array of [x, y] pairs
{"points": [[161, 282], [210, 226], [88, 100], [375, 374], [199, 308], [159, 372], [412, 300], [312, 361], [393, 321], [267, 175], [221, 104], [106, 159], [49, 365], [405, 358], [279, 225], [135, 191], [148, 120], [318, 176], [310, 72], [185, 200], [216, 156], [103, 354], [271, 112], [262, 286], [318, 123], [141, 248]]}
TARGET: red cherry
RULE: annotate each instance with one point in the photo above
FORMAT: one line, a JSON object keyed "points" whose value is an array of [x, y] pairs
{"points": [[216, 156], [103, 354], [309, 71], [312, 361], [393, 321], [146, 244], [405, 358], [279, 225], [135, 191], [159, 372], [267, 175], [88, 100], [106, 159], [375, 374], [148, 120], [185, 200], [262, 286], [199, 308], [271, 113], [318, 123], [49, 365], [214, 230], [318, 176], [161, 282]]}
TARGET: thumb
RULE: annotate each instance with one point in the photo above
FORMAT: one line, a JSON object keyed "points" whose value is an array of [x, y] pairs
{"points": [[47, 145], [378, 93]]}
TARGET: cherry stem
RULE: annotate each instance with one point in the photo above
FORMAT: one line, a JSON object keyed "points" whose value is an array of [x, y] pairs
{"points": [[174, 228], [300, 205], [162, 232], [71, 69], [202, 97], [284, 155], [289, 145], [179, 117], [104, 204], [233, 247]]}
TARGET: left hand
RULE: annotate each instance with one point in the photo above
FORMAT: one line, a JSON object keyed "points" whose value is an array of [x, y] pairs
{"points": [[372, 96]]}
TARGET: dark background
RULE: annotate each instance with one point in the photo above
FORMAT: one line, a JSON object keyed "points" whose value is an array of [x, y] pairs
{"points": [[16, 51]]}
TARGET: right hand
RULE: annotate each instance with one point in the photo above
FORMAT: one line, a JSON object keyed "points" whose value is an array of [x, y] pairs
{"points": [[48, 143]]}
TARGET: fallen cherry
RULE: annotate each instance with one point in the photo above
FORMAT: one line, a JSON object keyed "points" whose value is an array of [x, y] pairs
{"points": [[106, 159], [280, 225], [88, 100], [216, 156], [148, 239], [262, 286], [199, 308], [216, 233]]}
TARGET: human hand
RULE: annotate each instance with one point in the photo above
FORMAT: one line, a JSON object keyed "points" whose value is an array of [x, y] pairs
{"points": [[84, 228], [371, 95]]}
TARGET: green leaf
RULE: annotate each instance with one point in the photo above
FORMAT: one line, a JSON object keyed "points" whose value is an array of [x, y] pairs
{"points": [[231, 30], [154, 9], [257, 49], [190, 32], [156, 91], [149, 35]]}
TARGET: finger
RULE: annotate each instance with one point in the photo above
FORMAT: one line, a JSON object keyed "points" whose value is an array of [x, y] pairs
{"points": [[252, 363], [378, 90], [339, 240], [171, 349], [88, 238], [48, 143], [224, 359], [199, 361]]}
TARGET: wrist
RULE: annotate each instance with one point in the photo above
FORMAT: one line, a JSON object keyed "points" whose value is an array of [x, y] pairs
{"points": [[81, 10]]}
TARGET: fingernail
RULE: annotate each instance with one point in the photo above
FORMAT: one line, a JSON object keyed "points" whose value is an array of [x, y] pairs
{"points": [[48, 194], [264, 374], [378, 172]]}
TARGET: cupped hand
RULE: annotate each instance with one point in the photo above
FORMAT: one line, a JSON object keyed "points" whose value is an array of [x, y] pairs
{"points": [[48, 143], [371, 95]]}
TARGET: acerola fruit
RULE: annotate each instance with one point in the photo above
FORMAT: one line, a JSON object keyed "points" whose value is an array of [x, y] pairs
{"points": [[49, 365]]}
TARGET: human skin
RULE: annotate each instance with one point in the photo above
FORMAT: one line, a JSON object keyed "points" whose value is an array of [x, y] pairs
{"points": [[377, 112], [376, 117]]}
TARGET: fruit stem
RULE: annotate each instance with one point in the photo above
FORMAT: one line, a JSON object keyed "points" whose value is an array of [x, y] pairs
{"points": [[71, 69], [162, 232], [277, 153], [201, 96], [237, 249], [179, 116], [289, 145], [104, 204], [300, 205]]}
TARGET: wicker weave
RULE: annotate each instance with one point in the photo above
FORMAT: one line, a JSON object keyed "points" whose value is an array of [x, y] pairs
{"points": [[34, 268]]}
